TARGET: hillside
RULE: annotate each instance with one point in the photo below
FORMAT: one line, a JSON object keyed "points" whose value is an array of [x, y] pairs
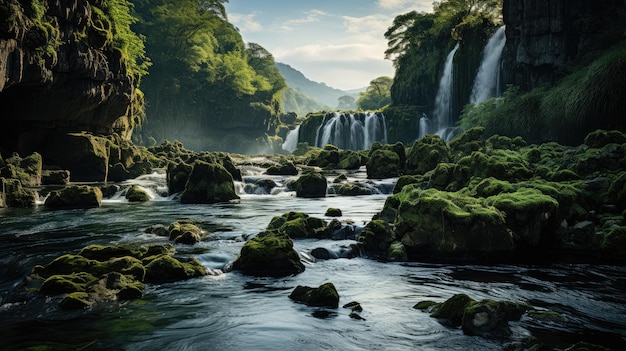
{"points": [[319, 92]]}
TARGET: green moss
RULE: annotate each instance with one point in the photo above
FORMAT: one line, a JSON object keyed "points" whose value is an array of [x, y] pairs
{"points": [[405, 180], [453, 309], [311, 185], [75, 301], [136, 194], [489, 187], [269, 254], [425, 154], [333, 212], [76, 196], [614, 243], [425, 305], [325, 295], [397, 252], [106, 252], [63, 284], [524, 200], [599, 138], [383, 164], [165, 268]]}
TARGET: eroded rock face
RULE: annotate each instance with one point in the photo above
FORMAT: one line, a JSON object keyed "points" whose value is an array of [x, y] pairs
{"points": [[542, 35], [60, 73]]}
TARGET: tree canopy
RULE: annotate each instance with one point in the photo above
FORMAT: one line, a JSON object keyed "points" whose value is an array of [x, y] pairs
{"points": [[377, 94]]}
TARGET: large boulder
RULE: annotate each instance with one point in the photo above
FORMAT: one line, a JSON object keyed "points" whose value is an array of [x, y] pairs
{"points": [[284, 168], [425, 154], [311, 185], [269, 254], [14, 195], [376, 238], [208, 183], [75, 196], [86, 156], [383, 164]]}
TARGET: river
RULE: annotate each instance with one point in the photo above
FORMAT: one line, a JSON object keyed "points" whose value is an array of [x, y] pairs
{"points": [[230, 311]]}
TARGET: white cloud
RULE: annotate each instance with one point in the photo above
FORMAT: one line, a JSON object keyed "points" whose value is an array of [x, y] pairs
{"points": [[331, 52], [311, 16], [245, 22], [367, 28], [407, 5]]}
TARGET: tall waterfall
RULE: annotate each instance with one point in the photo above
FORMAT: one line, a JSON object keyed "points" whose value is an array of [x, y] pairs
{"points": [[352, 131], [487, 81], [291, 140], [443, 101]]}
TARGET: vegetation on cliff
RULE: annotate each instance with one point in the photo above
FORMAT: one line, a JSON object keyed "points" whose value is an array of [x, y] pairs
{"points": [[206, 87]]}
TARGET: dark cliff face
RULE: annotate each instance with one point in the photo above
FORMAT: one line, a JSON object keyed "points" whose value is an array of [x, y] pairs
{"points": [[59, 73], [543, 35]]}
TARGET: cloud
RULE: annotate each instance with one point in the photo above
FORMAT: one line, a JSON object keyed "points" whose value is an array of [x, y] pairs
{"points": [[407, 5], [367, 28], [311, 16], [331, 52], [245, 22]]}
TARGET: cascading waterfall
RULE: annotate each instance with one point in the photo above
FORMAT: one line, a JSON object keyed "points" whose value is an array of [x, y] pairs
{"points": [[291, 140], [443, 101], [352, 131], [487, 81]]}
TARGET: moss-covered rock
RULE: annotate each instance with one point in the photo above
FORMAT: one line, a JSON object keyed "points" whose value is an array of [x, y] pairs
{"points": [[375, 239], [489, 318], [383, 164], [76, 196], [86, 156], [311, 185], [284, 168], [325, 295], [299, 225], [452, 309], [269, 254], [14, 195], [165, 269], [103, 273], [425, 154], [600, 138], [27, 170], [185, 232], [208, 183], [467, 142], [450, 225], [137, 194]]}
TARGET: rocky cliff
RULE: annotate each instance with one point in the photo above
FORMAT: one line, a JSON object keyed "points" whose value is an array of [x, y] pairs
{"points": [[543, 35], [61, 72]]}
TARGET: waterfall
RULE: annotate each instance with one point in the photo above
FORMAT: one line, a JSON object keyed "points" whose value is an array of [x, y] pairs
{"points": [[351, 131], [487, 81], [291, 140], [443, 101]]}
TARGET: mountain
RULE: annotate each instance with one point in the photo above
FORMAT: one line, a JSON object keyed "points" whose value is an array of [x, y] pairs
{"points": [[319, 92]]}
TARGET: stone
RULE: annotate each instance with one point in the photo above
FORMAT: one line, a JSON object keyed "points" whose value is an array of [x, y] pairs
{"points": [[333, 212], [325, 295], [55, 177], [376, 238], [76, 196], [137, 194], [383, 164], [311, 185], [167, 269], [269, 254], [285, 168], [185, 232], [208, 183]]}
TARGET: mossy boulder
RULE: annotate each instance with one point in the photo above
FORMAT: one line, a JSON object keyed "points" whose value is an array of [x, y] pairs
{"points": [[15, 195], [137, 194], [284, 168], [103, 273], [350, 160], [269, 254], [450, 225], [487, 318], [406, 180], [353, 189], [177, 175], [467, 142], [76, 196], [299, 225], [86, 156], [600, 138], [27, 170], [55, 177], [311, 185], [325, 295], [425, 154], [383, 164], [500, 164], [166, 269], [375, 239], [185, 232], [208, 183]]}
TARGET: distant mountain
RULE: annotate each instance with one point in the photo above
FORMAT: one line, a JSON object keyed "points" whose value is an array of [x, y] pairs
{"points": [[319, 92]]}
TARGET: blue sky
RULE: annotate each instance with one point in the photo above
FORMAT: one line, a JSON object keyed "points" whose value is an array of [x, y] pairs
{"points": [[338, 42]]}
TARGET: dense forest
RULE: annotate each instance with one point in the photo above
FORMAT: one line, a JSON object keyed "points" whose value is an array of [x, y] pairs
{"points": [[206, 87]]}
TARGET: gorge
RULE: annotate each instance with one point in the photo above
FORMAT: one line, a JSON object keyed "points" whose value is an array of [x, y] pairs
{"points": [[507, 231]]}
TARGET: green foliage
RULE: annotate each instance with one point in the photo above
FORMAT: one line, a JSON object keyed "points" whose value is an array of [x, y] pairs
{"points": [[587, 99], [377, 95], [124, 39], [205, 82]]}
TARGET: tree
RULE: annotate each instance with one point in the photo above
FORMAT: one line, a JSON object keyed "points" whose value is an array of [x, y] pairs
{"points": [[377, 95], [346, 102]]}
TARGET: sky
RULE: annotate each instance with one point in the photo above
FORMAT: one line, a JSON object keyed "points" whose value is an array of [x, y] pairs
{"points": [[337, 42]]}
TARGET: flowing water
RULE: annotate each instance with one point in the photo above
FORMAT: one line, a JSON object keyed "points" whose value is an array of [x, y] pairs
{"points": [[443, 100], [350, 131], [487, 81], [230, 311], [291, 140]]}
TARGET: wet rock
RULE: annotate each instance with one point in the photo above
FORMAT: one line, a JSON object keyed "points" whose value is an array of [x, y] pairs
{"points": [[376, 238], [166, 269], [185, 232], [76, 196], [208, 183], [269, 254], [425, 154], [333, 212], [311, 185], [14, 195], [325, 295], [298, 225], [383, 164], [55, 177], [137, 194], [285, 168]]}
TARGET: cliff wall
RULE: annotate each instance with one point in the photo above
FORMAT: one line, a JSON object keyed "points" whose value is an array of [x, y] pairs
{"points": [[59, 73], [544, 35]]}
